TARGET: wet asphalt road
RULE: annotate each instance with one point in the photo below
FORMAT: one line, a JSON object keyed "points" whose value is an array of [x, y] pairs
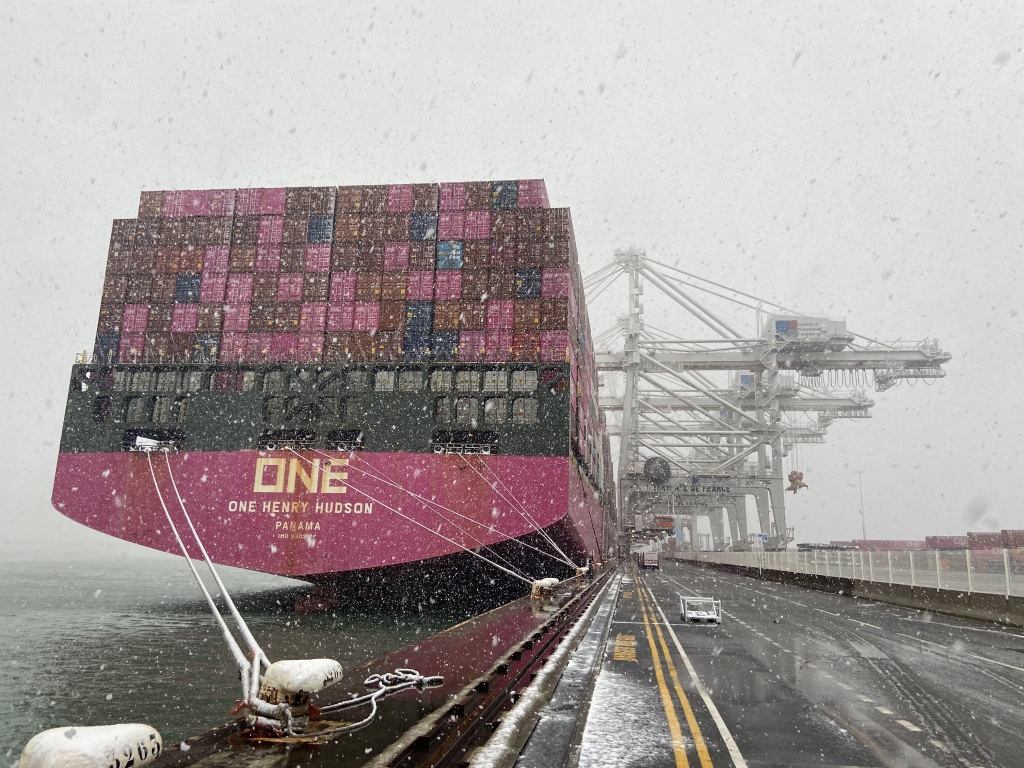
{"points": [[796, 677]]}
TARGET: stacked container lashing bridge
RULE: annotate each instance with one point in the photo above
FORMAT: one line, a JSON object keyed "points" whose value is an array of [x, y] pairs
{"points": [[723, 403]]}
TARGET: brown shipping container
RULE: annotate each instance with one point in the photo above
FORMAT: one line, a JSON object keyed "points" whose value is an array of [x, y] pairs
{"points": [[1013, 539], [478, 195], [503, 255], [529, 224], [161, 315], [363, 345], [293, 258], [392, 315], [530, 255], [262, 317], [123, 231], [344, 257], [167, 260], [422, 256], [476, 254], [242, 258], [172, 232], [147, 232], [446, 315], [526, 346], [424, 197], [388, 347], [245, 230], [321, 200], [373, 226], [346, 226], [396, 227], [196, 228], [264, 288], [287, 317], [218, 230], [505, 225], [138, 289], [316, 287], [554, 314], [211, 318], [115, 287], [350, 199], [984, 540], [472, 315], [295, 228], [192, 259], [526, 315], [296, 201], [110, 317], [374, 199], [142, 260], [151, 204], [501, 284], [119, 259], [368, 286], [370, 257], [393, 286], [474, 284]]}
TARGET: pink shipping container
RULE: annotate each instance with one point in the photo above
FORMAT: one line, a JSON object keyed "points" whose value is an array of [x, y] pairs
{"points": [[289, 288], [257, 202], [212, 288], [284, 346], [451, 225], [367, 316], [199, 202], [232, 348], [553, 346], [132, 346], [271, 229], [555, 283], [268, 258], [134, 318], [340, 317], [453, 196], [420, 286], [239, 289], [318, 257], [396, 256], [399, 198], [313, 317], [343, 287], [472, 345], [216, 259], [448, 285], [258, 346], [184, 318], [533, 194], [500, 316], [310, 347], [499, 345], [946, 542], [478, 225], [236, 318]]}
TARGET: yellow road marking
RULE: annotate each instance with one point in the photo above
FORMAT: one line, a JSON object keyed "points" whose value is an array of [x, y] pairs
{"points": [[625, 648], [691, 720], [626, 595], [678, 747]]}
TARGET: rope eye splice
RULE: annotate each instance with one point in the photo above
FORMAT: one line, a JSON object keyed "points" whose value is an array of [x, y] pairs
{"points": [[279, 702]]}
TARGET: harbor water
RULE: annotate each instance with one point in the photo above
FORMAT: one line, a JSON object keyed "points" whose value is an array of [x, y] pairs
{"points": [[90, 643]]}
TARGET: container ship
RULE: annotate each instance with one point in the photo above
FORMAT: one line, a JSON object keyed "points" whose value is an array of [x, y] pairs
{"points": [[381, 389]]}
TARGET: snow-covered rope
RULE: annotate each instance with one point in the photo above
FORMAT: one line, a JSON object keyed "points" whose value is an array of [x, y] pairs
{"points": [[387, 684], [236, 651], [376, 475], [254, 647], [518, 507], [428, 528]]}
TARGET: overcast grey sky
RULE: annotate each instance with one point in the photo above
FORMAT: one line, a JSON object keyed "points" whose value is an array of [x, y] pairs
{"points": [[862, 160]]}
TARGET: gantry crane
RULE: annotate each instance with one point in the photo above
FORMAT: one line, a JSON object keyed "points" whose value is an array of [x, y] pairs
{"points": [[720, 412]]}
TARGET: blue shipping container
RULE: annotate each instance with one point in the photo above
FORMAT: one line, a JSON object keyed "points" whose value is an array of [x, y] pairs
{"points": [[445, 345], [106, 346], [187, 289], [449, 254], [320, 229], [505, 194], [205, 348], [419, 316], [423, 225], [528, 283]]}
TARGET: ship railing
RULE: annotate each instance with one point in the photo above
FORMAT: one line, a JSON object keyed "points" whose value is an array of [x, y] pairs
{"points": [[467, 448], [983, 571]]}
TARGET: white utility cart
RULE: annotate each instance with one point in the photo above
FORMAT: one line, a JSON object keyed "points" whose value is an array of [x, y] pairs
{"points": [[700, 610]]}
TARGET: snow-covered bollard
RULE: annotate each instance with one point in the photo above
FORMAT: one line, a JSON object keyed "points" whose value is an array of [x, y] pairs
{"points": [[97, 746], [288, 685], [542, 588]]}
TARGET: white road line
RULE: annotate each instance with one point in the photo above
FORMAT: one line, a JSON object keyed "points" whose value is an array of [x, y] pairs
{"points": [[884, 711], [939, 744], [723, 729], [950, 650], [993, 661], [844, 685], [909, 726], [865, 698]]}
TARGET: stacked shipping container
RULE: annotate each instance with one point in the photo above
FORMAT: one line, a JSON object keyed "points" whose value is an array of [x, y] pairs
{"points": [[468, 271]]}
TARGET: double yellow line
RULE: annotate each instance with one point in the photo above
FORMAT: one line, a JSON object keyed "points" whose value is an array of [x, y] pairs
{"points": [[678, 745]]}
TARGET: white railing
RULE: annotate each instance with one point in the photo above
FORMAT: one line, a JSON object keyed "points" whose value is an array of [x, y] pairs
{"points": [[989, 571]]}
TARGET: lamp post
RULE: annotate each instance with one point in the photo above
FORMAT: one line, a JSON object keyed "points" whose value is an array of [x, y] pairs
{"points": [[863, 525]]}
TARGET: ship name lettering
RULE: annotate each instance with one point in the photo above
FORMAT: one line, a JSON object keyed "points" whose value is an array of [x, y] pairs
{"points": [[242, 506], [347, 508], [280, 475], [293, 525], [285, 507]]}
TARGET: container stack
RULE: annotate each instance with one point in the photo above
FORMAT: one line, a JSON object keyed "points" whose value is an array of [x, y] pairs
{"points": [[467, 271]]}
